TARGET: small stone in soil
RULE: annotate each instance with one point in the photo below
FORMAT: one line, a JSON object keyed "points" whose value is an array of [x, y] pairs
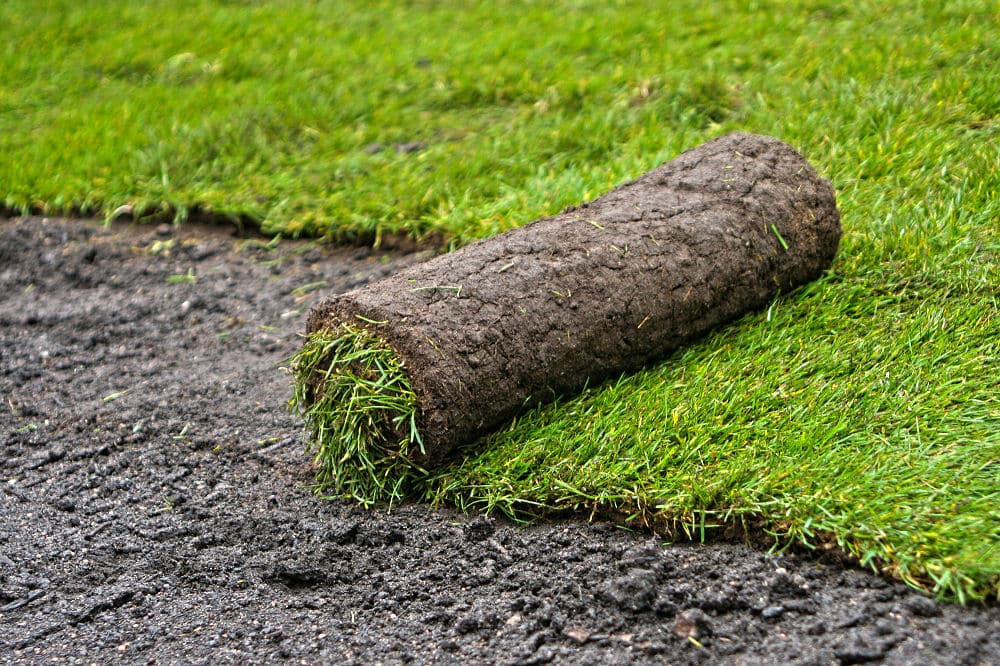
{"points": [[772, 612], [692, 623]]}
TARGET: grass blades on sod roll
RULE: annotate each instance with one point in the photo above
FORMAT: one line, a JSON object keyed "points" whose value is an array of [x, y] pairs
{"points": [[361, 413]]}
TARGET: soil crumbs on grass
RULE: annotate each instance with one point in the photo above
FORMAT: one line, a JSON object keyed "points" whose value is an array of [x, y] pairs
{"points": [[153, 503]]}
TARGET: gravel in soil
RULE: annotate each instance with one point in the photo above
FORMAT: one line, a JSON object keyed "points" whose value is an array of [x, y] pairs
{"points": [[153, 505]]}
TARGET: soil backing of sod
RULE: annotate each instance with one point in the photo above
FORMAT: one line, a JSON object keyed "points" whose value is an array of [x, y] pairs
{"points": [[509, 322]]}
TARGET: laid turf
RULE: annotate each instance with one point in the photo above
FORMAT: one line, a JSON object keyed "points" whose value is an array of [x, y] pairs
{"points": [[862, 410]]}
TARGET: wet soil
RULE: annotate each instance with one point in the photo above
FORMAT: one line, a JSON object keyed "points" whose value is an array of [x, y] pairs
{"points": [[153, 505]]}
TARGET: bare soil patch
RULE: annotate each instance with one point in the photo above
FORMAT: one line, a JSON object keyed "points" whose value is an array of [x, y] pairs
{"points": [[153, 507]]}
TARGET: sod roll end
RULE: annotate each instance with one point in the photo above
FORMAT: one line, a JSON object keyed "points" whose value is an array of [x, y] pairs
{"points": [[395, 376]]}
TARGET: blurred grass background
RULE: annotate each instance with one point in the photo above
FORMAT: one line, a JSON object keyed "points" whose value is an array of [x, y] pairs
{"points": [[863, 411], [466, 119]]}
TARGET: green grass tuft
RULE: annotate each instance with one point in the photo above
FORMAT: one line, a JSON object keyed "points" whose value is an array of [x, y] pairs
{"points": [[361, 414]]}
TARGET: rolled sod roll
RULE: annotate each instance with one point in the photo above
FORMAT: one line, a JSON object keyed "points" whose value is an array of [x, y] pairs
{"points": [[398, 374]]}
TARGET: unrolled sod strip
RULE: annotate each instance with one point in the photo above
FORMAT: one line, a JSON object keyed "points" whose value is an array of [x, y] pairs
{"points": [[396, 375]]}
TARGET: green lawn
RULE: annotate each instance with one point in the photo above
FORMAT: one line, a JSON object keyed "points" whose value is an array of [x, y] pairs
{"points": [[863, 410]]}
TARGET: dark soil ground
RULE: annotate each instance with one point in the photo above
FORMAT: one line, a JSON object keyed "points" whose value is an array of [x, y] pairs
{"points": [[153, 506]]}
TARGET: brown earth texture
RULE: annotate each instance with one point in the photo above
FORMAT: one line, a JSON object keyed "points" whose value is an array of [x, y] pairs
{"points": [[154, 506]]}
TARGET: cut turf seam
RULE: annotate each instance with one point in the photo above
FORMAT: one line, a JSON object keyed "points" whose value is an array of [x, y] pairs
{"points": [[361, 414]]}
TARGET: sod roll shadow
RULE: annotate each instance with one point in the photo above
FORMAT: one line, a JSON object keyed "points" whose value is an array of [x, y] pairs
{"points": [[396, 375]]}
